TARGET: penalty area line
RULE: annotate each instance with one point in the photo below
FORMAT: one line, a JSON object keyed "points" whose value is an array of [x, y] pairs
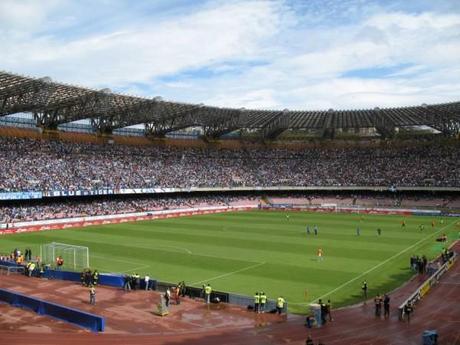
{"points": [[182, 249], [136, 268], [132, 263], [110, 271], [229, 273], [116, 260], [378, 265]]}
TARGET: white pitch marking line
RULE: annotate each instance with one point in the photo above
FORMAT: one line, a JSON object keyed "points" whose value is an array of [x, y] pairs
{"points": [[230, 273], [188, 251], [112, 259], [106, 270], [377, 266], [136, 268], [124, 261]]}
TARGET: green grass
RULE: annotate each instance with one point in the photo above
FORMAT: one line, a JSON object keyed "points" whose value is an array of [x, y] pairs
{"points": [[245, 252]]}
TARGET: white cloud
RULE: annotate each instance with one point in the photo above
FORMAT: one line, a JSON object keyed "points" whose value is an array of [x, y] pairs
{"points": [[142, 53], [24, 15], [402, 21], [254, 99], [303, 64], [313, 79]]}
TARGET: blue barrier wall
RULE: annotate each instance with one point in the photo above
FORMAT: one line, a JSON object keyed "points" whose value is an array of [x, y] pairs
{"points": [[115, 280], [80, 318], [224, 297], [8, 263], [249, 301], [62, 275], [104, 279]]}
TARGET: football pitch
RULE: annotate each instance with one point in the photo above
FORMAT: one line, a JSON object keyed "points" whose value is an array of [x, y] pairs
{"points": [[268, 251]]}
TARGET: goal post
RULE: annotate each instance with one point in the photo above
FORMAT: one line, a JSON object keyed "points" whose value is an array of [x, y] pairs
{"points": [[331, 206], [76, 258]]}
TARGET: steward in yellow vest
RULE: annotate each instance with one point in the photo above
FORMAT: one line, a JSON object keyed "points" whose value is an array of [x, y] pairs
{"points": [[263, 301], [256, 302], [280, 304], [207, 293]]}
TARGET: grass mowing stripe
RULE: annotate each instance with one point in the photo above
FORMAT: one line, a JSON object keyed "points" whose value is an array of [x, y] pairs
{"points": [[136, 269], [113, 259], [228, 245], [257, 244], [287, 229], [266, 244], [160, 255], [230, 273], [161, 248], [379, 265]]}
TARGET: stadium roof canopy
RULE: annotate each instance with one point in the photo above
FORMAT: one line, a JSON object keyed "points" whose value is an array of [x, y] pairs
{"points": [[54, 103]]}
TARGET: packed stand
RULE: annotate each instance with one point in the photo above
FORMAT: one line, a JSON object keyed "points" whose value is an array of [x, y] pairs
{"points": [[74, 208], [31, 165], [397, 200]]}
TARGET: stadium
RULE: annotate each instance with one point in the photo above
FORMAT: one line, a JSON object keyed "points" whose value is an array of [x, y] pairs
{"points": [[128, 219]]}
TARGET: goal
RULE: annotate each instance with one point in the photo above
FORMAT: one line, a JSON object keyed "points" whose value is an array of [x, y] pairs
{"points": [[76, 258], [332, 207]]}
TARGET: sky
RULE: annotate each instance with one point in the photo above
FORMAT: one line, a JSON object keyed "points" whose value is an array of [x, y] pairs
{"points": [[279, 54]]}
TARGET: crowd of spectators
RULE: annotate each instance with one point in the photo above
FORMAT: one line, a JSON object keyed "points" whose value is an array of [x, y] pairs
{"points": [[32, 165], [74, 208], [371, 199], [108, 205]]}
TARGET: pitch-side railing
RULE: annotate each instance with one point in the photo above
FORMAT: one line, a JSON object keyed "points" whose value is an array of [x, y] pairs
{"points": [[423, 289]]}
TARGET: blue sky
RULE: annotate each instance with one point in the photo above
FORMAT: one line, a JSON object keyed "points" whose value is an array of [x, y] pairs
{"points": [[310, 54]]}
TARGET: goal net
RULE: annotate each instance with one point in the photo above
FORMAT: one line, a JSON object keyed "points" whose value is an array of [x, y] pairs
{"points": [[75, 258], [332, 207]]}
